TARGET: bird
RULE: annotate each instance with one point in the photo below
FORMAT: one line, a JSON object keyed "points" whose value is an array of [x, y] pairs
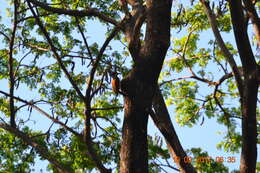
{"points": [[115, 83]]}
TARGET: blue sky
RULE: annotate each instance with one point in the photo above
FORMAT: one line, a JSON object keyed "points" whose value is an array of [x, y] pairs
{"points": [[205, 136]]}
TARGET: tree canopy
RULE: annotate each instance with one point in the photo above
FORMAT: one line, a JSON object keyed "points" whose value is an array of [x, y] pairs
{"points": [[58, 59]]}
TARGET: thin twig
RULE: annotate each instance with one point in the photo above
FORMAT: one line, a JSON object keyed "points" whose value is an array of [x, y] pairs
{"points": [[42, 112], [84, 39], [53, 49], [229, 57]]}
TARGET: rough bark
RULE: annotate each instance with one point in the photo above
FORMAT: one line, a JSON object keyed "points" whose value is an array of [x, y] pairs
{"points": [[249, 129], [250, 88], [162, 120], [134, 155], [140, 84]]}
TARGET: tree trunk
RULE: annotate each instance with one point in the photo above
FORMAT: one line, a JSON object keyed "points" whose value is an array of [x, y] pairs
{"points": [[250, 88], [140, 84], [249, 130], [134, 153], [163, 122]]}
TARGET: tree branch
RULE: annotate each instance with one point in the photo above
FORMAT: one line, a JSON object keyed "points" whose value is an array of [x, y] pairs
{"points": [[215, 83], [157, 35], [98, 59], [89, 143], [77, 13], [84, 38], [90, 150], [56, 55], [32, 104], [229, 57], [40, 149], [162, 120], [194, 76], [6, 36], [149, 56], [154, 29], [242, 40], [133, 26], [87, 99], [89, 95], [250, 90], [11, 66], [105, 109]]}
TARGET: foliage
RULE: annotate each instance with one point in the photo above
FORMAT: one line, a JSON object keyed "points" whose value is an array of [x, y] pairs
{"points": [[204, 163], [188, 81], [15, 155]]}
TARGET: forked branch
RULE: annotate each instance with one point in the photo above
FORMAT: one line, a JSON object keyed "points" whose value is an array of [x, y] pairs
{"points": [[229, 57]]}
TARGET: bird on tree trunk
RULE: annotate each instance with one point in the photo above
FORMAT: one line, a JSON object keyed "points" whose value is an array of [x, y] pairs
{"points": [[115, 83]]}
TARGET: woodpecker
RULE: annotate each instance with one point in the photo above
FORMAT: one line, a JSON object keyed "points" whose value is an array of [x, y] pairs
{"points": [[115, 83]]}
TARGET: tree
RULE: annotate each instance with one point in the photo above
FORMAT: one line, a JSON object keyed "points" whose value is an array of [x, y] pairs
{"points": [[46, 50], [248, 86]]}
